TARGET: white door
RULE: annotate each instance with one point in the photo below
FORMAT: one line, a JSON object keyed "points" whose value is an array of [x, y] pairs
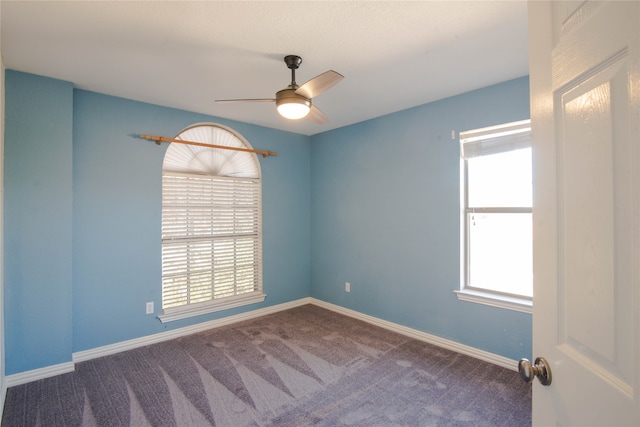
{"points": [[585, 111]]}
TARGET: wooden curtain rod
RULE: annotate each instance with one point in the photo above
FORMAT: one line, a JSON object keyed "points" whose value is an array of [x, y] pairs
{"points": [[160, 139]]}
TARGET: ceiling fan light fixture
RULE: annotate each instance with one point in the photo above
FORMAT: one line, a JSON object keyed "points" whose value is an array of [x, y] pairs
{"points": [[291, 105], [293, 110]]}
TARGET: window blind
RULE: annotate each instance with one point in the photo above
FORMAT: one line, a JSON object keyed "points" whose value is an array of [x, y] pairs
{"points": [[496, 139], [211, 232]]}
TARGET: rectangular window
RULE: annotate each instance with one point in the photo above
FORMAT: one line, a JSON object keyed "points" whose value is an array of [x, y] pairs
{"points": [[497, 258], [211, 243]]}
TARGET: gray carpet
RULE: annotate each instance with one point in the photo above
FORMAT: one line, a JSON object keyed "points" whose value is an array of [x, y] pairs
{"points": [[300, 367]]}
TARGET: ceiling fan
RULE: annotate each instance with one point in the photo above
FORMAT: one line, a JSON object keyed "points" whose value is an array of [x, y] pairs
{"points": [[294, 102]]}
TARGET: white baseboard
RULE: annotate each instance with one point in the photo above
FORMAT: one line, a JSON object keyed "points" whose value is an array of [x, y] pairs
{"points": [[81, 356], [106, 350], [38, 374], [423, 336]]}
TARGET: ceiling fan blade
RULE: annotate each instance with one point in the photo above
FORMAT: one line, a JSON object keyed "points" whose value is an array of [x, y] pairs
{"points": [[247, 100], [319, 84], [317, 116]]}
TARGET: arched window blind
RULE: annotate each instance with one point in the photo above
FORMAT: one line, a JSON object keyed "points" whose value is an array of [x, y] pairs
{"points": [[211, 224]]}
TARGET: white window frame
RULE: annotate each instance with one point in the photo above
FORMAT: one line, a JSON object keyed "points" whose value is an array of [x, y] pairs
{"points": [[478, 142], [212, 221]]}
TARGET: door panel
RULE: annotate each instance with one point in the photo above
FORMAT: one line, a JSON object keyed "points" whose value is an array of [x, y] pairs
{"points": [[594, 224]]}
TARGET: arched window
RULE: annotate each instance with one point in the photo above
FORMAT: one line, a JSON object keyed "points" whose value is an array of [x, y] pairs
{"points": [[211, 224]]}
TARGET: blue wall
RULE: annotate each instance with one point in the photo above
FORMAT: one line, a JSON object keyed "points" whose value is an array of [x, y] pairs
{"points": [[37, 221], [385, 212], [375, 204]]}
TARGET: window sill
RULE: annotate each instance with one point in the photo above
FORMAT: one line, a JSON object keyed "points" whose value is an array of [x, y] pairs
{"points": [[184, 312], [496, 300]]}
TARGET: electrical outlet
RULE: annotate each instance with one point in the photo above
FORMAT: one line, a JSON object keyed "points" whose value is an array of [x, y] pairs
{"points": [[150, 307], [347, 287]]}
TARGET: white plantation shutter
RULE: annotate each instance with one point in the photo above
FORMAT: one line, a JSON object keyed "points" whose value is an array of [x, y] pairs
{"points": [[211, 235]]}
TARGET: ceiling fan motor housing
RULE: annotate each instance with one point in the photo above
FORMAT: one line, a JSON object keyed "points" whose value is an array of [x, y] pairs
{"points": [[289, 96]]}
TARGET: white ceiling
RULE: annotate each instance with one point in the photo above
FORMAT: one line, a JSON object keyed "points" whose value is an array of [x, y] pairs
{"points": [[182, 54]]}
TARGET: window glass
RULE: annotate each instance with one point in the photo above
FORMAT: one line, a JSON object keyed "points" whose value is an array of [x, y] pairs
{"points": [[500, 252], [500, 180]]}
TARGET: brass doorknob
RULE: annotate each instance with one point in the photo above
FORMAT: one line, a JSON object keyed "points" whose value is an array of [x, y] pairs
{"points": [[540, 369]]}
